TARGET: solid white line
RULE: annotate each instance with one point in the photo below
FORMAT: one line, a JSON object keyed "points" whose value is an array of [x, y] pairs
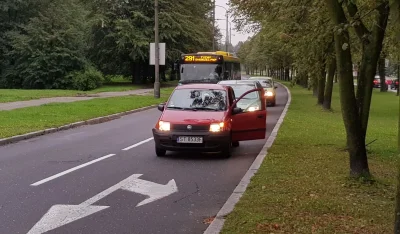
{"points": [[137, 144], [71, 170]]}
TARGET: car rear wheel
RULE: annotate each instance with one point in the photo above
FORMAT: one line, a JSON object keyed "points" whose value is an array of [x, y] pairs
{"points": [[160, 152], [235, 144]]}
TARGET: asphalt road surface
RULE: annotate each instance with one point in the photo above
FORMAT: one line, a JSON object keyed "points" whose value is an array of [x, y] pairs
{"points": [[106, 178]]}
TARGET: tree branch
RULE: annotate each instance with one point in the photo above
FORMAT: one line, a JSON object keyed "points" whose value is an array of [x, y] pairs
{"points": [[361, 31]]}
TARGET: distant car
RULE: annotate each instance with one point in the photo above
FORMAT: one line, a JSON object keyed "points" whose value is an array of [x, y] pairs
{"points": [[377, 82], [395, 84], [252, 101], [205, 118], [269, 87]]}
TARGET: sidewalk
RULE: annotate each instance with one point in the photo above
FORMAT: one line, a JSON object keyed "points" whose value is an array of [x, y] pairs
{"points": [[42, 101]]}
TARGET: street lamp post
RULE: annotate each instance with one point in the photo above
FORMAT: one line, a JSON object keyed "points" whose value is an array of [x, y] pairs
{"points": [[227, 21], [157, 53], [213, 17]]}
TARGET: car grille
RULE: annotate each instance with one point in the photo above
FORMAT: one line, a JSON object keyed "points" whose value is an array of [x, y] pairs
{"points": [[195, 128]]}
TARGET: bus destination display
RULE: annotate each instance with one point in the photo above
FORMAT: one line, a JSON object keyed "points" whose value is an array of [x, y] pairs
{"points": [[200, 59]]}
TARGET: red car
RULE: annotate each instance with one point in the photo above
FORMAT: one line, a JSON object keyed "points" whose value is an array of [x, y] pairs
{"points": [[205, 118]]}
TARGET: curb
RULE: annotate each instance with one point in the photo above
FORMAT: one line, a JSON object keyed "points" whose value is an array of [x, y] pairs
{"points": [[14, 139], [217, 224]]}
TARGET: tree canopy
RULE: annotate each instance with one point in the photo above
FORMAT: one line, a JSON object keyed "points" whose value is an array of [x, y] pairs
{"points": [[43, 42]]}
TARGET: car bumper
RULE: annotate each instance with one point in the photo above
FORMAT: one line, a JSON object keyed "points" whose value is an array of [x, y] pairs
{"points": [[212, 142], [270, 99]]}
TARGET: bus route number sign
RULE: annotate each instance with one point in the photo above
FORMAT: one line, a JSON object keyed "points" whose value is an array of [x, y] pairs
{"points": [[200, 59]]}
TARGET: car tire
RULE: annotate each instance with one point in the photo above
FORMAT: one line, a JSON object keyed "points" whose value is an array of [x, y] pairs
{"points": [[160, 152], [274, 103], [227, 151], [235, 144]]}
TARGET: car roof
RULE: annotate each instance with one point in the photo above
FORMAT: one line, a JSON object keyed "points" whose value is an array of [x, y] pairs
{"points": [[260, 78], [230, 82], [201, 86]]}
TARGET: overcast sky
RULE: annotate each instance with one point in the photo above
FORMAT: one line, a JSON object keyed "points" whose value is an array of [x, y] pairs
{"points": [[220, 14]]}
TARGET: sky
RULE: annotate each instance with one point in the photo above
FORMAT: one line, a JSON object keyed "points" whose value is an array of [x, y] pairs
{"points": [[220, 14]]}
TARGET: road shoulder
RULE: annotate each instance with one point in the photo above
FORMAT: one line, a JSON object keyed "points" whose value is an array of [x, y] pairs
{"points": [[218, 222]]}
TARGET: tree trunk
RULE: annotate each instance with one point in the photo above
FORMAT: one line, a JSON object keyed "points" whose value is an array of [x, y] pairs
{"points": [[370, 56], [329, 83], [321, 83], [397, 211], [354, 134], [382, 75], [314, 84]]}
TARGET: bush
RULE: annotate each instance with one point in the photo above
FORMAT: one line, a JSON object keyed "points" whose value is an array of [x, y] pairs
{"points": [[88, 79]]}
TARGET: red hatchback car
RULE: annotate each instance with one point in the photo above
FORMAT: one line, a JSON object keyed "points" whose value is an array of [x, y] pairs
{"points": [[204, 118]]}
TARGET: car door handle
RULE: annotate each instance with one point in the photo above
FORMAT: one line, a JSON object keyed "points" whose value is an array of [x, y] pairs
{"points": [[260, 116]]}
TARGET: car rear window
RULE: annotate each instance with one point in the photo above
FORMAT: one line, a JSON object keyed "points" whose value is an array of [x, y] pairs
{"points": [[198, 99], [240, 89]]}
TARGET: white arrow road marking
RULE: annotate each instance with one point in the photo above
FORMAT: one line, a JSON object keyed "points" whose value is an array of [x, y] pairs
{"points": [[59, 215], [153, 190]]}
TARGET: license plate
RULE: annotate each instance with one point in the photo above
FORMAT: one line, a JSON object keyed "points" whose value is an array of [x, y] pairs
{"points": [[189, 139]]}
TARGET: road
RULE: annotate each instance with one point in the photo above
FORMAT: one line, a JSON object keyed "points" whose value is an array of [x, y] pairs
{"points": [[83, 181]]}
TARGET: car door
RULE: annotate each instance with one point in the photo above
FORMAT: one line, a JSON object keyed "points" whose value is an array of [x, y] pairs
{"points": [[250, 125]]}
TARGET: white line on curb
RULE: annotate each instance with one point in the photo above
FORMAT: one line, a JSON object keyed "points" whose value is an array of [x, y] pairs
{"points": [[71, 170], [137, 144], [217, 224]]}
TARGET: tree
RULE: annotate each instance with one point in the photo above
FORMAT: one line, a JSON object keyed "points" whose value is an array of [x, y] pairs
{"points": [[49, 46]]}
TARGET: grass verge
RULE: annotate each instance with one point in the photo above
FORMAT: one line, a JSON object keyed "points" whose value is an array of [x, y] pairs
{"points": [[13, 95], [303, 185], [30, 119]]}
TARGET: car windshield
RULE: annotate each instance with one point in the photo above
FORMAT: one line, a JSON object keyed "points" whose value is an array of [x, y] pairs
{"points": [[200, 72], [240, 89], [198, 99]]}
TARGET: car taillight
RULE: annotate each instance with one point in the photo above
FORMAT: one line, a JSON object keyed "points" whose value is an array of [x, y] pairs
{"points": [[375, 81], [397, 83]]}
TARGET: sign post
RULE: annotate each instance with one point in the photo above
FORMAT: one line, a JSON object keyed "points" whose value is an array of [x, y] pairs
{"points": [[157, 53]]}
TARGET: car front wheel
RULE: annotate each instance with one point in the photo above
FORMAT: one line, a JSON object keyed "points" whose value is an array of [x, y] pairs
{"points": [[160, 152], [226, 152]]}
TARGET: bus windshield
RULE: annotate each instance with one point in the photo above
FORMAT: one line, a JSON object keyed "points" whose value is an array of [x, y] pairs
{"points": [[197, 72]]}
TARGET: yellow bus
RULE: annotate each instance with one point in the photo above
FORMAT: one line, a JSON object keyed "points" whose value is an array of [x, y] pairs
{"points": [[209, 67]]}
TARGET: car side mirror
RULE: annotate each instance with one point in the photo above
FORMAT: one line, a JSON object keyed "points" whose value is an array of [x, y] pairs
{"points": [[237, 110], [161, 107]]}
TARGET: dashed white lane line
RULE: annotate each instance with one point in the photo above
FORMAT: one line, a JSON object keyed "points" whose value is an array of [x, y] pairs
{"points": [[71, 170], [137, 144]]}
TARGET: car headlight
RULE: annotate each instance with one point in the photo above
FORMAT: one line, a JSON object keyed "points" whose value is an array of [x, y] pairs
{"points": [[216, 127], [164, 126], [253, 108], [269, 94]]}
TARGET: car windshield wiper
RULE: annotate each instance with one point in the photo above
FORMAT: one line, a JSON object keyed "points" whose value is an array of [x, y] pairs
{"points": [[203, 108], [176, 107]]}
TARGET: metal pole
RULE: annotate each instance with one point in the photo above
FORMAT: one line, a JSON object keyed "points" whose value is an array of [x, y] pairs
{"points": [[227, 35], [230, 35], [213, 29], [157, 53]]}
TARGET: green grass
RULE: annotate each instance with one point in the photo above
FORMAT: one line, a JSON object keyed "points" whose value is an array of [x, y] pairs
{"points": [[20, 121], [13, 95], [303, 184]]}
